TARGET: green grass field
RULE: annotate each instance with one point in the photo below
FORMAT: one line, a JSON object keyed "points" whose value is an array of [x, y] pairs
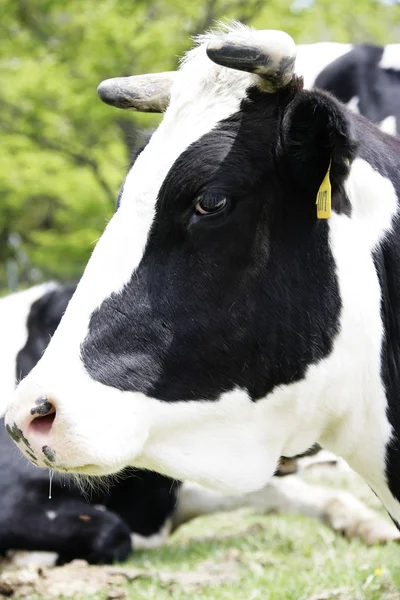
{"points": [[245, 556], [270, 558]]}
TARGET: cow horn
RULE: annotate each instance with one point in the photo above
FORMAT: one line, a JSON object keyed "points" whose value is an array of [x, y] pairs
{"points": [[143, 93], [269, 54]]}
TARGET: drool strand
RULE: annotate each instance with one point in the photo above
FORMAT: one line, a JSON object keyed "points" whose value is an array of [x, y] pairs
{"points": [[51, 475]]}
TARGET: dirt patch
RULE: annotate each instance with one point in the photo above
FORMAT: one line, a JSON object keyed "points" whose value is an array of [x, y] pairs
{"points": [[80, 578]]}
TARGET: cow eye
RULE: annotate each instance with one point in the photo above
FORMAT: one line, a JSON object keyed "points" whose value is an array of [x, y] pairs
{"points": [[206, 206]]}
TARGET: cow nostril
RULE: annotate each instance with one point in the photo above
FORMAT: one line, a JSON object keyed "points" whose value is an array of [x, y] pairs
{"points": [[43, 425], [44, 414]]}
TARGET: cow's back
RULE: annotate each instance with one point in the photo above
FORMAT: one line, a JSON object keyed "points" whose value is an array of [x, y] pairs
{"points": [[367, 78]]}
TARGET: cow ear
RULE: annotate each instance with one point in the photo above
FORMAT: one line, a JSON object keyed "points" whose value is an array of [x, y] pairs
{"points": [[317, 138]]}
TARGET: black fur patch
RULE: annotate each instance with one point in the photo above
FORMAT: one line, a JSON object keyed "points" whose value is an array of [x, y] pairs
{"points": [[387, 261]]}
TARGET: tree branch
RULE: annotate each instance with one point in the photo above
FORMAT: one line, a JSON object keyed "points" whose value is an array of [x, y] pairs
{"points": [[78, 157], [27, 20]]}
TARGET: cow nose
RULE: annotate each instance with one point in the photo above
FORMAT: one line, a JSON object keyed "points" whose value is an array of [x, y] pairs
{"points": [[31, 426], [42, 417]]}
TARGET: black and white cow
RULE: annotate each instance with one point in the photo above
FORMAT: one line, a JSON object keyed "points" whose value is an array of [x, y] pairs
{"points": [[220, 324], [142, 507], [365, 77]]}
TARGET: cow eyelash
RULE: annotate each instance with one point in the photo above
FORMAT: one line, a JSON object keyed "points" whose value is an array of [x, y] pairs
{"points": [[210, 205]]}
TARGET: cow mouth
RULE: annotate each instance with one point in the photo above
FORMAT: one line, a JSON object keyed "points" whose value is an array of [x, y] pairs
{"points": [[89, 469]]}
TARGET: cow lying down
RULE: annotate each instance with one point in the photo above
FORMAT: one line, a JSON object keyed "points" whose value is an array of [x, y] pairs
{"points": [[142, 507]]}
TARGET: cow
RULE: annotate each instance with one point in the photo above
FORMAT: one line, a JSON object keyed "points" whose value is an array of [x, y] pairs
{"points": [[141, 508], [364, 76], [243, 302]]}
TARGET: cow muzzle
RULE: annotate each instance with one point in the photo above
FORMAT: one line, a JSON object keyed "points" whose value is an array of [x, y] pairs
{"points": [[74, 433], [32, 430]]}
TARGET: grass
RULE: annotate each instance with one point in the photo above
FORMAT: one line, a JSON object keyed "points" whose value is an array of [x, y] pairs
{"points": [[273, 558], [246, 556]]}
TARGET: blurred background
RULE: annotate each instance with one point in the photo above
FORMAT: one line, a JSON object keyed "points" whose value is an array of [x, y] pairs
{"points": [[63, 153]]}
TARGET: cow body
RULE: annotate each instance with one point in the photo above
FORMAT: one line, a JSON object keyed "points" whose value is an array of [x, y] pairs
{"points": [[365, 77], [220, 324]]}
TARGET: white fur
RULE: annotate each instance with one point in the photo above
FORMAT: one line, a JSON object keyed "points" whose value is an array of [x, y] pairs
{"points": [[391, 57], [14, 311], [232, 444], [142, 542], [353, 104], [361, 402], [313, 58]]}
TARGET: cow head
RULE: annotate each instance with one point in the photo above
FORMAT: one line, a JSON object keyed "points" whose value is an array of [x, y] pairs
{"points": [[196, 341]]}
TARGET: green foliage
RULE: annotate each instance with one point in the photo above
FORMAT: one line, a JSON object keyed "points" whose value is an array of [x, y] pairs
{"points": [[64, 153]]}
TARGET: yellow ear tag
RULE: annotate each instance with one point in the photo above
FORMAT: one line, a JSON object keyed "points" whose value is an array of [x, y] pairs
{"points": [[324, 196]]}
